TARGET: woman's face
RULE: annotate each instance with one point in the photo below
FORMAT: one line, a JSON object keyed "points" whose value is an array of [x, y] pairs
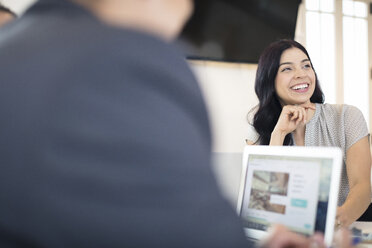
{"points": [[295, 79]]}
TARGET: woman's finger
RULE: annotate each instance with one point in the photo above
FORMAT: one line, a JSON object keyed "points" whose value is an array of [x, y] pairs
{"points": [[300, 114], [304, 115], [294, 115]]}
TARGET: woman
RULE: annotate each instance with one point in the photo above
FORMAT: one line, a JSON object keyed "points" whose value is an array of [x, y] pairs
{"points": [[291, 111]]}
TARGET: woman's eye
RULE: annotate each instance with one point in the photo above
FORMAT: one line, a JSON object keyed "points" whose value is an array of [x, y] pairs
{"points": [[307, 66], [286, 69]]}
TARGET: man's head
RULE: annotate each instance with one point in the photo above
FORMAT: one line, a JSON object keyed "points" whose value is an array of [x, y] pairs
{"points": [[164, 18], [6, 15]]}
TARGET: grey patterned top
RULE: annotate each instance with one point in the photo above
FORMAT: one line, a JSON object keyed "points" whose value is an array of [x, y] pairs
{"points": [[333, 125]]}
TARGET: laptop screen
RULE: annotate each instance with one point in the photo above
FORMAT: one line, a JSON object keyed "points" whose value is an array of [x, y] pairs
{"points": [[289, 186], [289, 190]]}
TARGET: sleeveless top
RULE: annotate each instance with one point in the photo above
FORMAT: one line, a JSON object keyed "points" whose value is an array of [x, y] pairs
{"points": [[338, 125]]}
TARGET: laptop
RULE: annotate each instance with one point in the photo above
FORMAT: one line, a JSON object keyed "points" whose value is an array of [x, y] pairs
{"points": [[293, 186]]}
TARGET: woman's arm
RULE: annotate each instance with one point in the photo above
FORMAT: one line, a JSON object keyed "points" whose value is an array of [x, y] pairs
{"points": [[358, 167]]}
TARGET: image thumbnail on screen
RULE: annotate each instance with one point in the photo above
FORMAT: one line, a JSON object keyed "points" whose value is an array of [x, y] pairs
{"points": [[264, 185]]}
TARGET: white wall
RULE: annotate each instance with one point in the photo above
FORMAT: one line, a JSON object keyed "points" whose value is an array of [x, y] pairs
{"points": [[228, 90], [229, 93]]}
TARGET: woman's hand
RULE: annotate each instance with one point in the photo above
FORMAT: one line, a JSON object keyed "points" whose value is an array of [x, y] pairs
{"points": [[290, 118], [342, 218]]}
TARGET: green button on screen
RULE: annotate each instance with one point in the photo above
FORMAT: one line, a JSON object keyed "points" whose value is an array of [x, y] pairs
{"points": [[299, 203]]}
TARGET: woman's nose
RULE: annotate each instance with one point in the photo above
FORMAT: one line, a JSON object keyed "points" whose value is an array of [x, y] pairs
{"points": [[299, 73]]}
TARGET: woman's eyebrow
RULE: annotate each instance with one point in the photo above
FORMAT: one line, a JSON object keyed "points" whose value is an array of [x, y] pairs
{"points": [[286, 63], [290, 63]]}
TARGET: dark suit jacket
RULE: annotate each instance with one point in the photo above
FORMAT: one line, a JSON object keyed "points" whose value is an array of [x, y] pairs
{"points": [[104, 140]]}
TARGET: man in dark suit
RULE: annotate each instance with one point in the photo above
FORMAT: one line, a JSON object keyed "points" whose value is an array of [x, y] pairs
{"points": [[104, 136]]}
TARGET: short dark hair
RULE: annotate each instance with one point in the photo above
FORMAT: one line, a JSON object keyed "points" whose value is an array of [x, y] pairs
{"points": [[7, 10]]}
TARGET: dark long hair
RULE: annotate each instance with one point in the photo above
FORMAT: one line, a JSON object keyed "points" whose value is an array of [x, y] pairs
{"points": [[269, 107]]}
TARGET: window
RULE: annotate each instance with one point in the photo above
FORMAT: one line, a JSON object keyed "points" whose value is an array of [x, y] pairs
{"points": [[342, 69], [320, 43], [355, 52]]}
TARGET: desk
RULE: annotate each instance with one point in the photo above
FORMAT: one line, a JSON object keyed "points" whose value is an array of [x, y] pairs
{"points": [[366, 227]]}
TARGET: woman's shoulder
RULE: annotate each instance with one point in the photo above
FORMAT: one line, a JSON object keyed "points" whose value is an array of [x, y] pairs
{"points": [[339, 110], [327, 107], [251, 136], [251, 113]]}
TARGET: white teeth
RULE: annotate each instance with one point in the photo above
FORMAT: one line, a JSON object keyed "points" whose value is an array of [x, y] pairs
{"points": [[300, 86]]}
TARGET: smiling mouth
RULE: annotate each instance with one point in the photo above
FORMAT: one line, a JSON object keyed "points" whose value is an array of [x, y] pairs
{"points": [[300, 86]]}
